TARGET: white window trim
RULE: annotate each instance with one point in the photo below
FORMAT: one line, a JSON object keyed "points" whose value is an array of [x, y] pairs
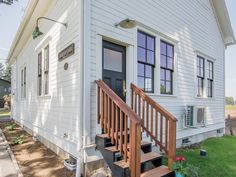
{"points": [[157, 71], [43, 46], [209, 58]]}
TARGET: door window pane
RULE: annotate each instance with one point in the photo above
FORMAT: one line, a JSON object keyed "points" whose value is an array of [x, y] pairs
{"points": [[112, 60]]}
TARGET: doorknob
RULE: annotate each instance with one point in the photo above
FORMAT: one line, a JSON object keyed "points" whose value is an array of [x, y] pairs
{"points": [[124, 88]]}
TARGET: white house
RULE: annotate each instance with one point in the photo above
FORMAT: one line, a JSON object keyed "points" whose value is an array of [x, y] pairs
{"points": [[173, 50]]}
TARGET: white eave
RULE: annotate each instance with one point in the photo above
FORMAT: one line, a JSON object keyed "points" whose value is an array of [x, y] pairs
{"points": [[36, 8], [223, 20]]}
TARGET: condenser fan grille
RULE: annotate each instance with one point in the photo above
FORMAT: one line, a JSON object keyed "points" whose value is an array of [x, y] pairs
{"points": [[200, 115]]}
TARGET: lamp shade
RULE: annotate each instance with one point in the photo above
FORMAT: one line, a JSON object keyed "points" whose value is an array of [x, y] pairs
{"points": [[127, 23], [36, 32]]}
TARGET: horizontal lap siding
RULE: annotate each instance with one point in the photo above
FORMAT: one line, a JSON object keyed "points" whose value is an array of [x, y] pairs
{"points": [[59, 113], [192, 22]]}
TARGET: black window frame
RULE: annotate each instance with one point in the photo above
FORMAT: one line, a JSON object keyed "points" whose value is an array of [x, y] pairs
{"points": [[146, 63], [210, 78], [201, 76], [166, 69]]}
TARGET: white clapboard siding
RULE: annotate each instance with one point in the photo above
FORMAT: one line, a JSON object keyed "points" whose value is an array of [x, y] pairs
{"points": [[193, 23], [58, 113]]}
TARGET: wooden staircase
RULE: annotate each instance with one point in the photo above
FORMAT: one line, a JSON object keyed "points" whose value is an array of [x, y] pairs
{"points": [[121, 144]]}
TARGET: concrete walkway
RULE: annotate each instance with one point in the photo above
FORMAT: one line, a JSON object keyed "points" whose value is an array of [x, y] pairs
{"points": [[8, 165]]}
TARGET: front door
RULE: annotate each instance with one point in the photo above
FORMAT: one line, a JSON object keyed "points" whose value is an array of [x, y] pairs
{"points": [[113, 73]]}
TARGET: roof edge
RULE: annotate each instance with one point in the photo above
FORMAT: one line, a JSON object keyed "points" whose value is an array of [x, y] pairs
{"points": [[223, 20], [28, 13]]}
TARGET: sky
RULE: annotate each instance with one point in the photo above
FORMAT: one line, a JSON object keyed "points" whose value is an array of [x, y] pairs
{"points": [[11, 16]]}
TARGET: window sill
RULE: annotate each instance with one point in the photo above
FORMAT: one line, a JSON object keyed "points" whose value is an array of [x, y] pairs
{"points": [[205, 98], [44, 97], [162, 95]]}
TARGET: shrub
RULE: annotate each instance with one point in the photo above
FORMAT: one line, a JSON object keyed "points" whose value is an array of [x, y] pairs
{"points": [[18, 139], [10, 127]]}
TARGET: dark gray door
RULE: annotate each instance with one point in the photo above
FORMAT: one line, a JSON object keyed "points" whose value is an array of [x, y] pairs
{"points": [[113, 73]]}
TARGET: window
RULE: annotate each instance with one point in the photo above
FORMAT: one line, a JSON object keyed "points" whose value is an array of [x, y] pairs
{"points": [[40, 74], [146, 61], [43, 72], [200, 75], [167, 68], [46, 70], [23, 82], [209, 78]]}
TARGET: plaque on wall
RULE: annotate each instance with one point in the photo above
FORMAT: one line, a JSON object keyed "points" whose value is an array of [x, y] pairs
{"points": [[67, 52]]}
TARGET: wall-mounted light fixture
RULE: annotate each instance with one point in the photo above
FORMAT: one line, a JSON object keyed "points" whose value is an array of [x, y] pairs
{"points": [[127, 23], [36, 33]]}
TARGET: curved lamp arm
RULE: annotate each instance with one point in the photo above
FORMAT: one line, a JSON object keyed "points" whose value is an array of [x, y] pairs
{"points": [[65, 24]]}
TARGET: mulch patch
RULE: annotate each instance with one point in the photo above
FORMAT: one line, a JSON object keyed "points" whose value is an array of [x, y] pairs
{"points": [[33, 158]]}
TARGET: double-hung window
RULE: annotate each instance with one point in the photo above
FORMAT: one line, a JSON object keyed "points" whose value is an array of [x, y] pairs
{"points": [[209, 78], [40, 74], [167, 68], [23, 82], [200, 76], [43, 72], [46, 70], [146, 61]]}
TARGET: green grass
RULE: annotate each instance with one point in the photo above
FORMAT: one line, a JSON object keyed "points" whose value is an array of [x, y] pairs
{"points": [[4, 113], [230, 107], [221, 158]]}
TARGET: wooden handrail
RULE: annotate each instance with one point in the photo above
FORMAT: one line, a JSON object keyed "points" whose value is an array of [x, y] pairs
{"points": [[121, 124], [156, 121]]}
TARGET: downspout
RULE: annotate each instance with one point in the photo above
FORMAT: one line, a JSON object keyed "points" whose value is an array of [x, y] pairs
{"points": [[85, 85], [80, 158]]}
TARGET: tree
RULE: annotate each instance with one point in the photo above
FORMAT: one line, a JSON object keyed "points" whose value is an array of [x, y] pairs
{"points": [[229, 100], [8, 2], [2, 68], [7, 73]]}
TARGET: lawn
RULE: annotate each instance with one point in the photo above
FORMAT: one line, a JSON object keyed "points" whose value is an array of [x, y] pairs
{"points": [[4, 113], [221, 158], [230, 107]]}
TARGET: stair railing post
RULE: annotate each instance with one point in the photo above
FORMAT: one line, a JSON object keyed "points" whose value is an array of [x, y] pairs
{"points": [[135, 147], [172, 144]]}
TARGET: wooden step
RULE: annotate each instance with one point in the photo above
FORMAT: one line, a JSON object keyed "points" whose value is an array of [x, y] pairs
{"points": [[114, 150], [158, 172], [105, 135], [151, 156]]}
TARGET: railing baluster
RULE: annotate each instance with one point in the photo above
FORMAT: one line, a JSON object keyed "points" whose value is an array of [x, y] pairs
{"points": [[112, 122], [151, 122], [147, 117], [166, 134], [143, 112], [161, 130], [121, 132], [105, 112], [126, 137], [156, 133], [108, 116], [98, 105], [139, 105], [116, 137], [102, 109]]}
